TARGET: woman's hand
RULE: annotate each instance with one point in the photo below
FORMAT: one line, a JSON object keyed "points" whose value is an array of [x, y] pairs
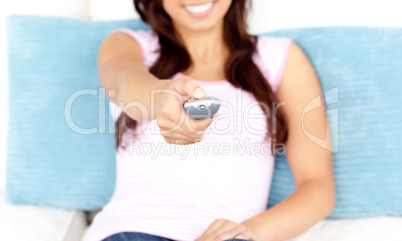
{"points": [[176, 126], [222, 229]]}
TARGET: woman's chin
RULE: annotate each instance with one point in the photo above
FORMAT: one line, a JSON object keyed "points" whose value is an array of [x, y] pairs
{"points": [[199, 26]]}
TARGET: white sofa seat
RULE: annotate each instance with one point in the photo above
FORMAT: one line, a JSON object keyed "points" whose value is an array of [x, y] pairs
{"points": [[30, 223], [385, 228]]}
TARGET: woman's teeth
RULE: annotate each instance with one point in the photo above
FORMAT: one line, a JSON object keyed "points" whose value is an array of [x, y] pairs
{"points": [[199, 8]]}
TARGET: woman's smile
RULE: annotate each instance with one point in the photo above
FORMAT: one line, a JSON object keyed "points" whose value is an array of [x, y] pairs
{"points": [[200, 10]]}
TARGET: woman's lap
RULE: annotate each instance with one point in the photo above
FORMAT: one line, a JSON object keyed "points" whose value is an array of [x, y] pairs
{"points": [[136, 236]]}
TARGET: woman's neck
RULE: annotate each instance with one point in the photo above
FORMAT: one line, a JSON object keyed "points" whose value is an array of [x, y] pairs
{"points": [[204, 46]]}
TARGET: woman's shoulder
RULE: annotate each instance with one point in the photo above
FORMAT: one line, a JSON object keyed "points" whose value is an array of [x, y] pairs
{"points": [[148, 34], [271, 45], [267, 37], [148, 41], [144, 37], [270, 56]]}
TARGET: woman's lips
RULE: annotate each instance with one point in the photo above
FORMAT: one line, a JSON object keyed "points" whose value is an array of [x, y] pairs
{"points": [[200, 10]]}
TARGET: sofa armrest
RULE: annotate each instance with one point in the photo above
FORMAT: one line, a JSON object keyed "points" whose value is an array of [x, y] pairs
{"points": [[31, 223]]}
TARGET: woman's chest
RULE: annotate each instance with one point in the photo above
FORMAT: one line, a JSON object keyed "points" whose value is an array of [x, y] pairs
{"points": [[212, 70], [240, 114]]}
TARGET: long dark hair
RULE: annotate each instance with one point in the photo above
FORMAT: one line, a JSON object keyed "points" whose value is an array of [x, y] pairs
{"points": [[240, 70]]}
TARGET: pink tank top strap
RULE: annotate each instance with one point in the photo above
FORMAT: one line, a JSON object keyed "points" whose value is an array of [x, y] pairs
{"points": [[270, 57]]}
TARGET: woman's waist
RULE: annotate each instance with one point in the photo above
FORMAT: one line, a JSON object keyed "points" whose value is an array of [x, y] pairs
{"points": [[207, 184], [198, 207], [194, 168]]}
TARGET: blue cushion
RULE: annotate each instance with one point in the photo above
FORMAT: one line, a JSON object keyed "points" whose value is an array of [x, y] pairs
{"points": [[50, 164], [360, 70], [57, 159]]}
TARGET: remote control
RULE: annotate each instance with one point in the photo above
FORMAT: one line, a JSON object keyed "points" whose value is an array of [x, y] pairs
{"points": [[202, 107]]}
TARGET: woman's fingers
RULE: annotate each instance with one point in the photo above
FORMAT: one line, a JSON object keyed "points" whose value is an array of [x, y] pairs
{"points": [[222, 229], [229, 232], [197, 125], [174, 123], [215, 225], [224, 232], [176, 138], [188, 87], [187, 130]]}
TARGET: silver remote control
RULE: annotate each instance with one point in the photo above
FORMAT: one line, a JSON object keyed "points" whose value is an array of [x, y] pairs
{"points": [[202, 107]]}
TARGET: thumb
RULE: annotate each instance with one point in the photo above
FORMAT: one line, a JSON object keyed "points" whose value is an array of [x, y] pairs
{"points": [[192, 88], [199, 93]]}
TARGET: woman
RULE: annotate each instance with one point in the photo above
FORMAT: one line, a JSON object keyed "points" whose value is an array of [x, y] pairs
{"points": [[209, 179]]}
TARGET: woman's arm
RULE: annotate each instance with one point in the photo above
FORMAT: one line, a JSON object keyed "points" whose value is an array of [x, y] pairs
{"points": [[122, 71], [310, 162]]}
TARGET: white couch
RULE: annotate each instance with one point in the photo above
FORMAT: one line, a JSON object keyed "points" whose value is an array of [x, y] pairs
{"points": [[29, 223]]}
